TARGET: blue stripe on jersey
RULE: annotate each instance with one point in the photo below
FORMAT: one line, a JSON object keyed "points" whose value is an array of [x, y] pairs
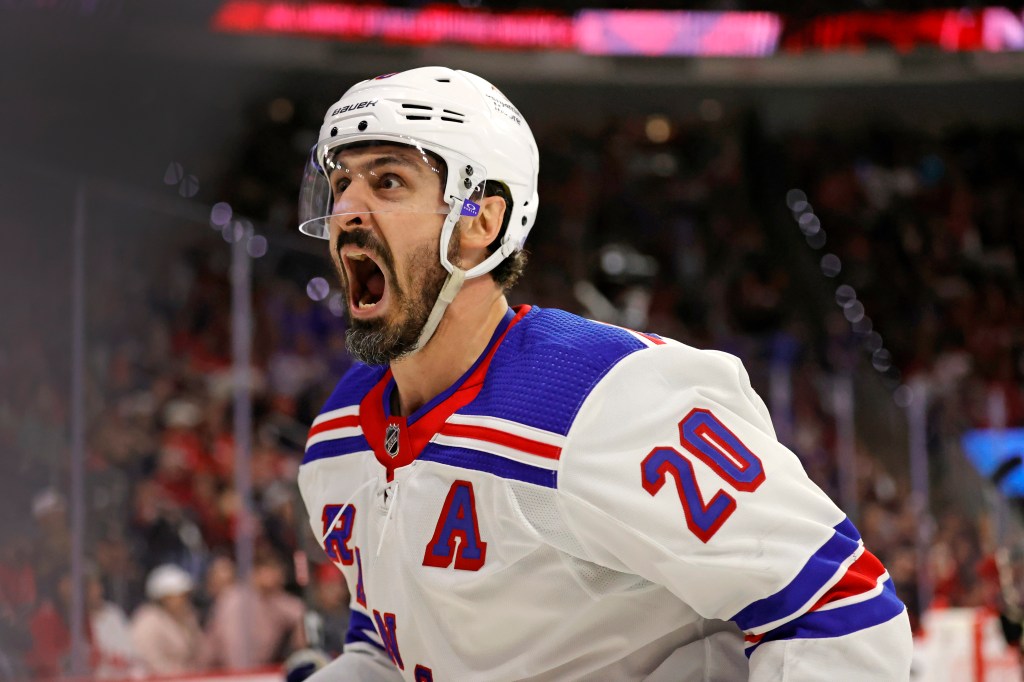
{"points": [[547, 366], [819, 569], [488, 463], [447, 393], [356, 383], [840, 621], [336, 448], [359, 624]]}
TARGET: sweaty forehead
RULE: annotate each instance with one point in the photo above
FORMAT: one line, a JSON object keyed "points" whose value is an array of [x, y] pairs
{"points": [[377, 155]]}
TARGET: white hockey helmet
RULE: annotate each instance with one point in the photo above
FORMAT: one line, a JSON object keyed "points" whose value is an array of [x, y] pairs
{"points": [[457, 116]]}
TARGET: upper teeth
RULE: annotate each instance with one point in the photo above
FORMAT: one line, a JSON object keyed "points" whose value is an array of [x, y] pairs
{"points": [[357, 256]]}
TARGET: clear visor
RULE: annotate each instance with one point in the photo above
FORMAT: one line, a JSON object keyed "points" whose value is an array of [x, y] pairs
{"points": [[364, 178]]}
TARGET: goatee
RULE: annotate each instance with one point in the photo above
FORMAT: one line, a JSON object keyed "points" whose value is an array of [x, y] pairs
{"points": [[380, 342]]}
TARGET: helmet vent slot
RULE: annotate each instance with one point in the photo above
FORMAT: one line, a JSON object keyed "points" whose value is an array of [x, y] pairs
{"points": [[443, 80], [425, 112]]}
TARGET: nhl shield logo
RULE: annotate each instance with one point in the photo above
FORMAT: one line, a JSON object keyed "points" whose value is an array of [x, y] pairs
{"points": [[391, 440]]}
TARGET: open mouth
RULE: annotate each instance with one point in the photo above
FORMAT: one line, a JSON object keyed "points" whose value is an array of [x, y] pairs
{"points": [[366, 281]]}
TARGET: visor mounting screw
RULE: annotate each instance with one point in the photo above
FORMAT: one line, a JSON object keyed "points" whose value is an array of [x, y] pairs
{"points": [[468, 183], [334, 131], [362, 125], [469, 171]]}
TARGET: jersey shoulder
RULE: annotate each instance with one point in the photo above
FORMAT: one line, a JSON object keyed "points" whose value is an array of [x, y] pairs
{"points": [[354, 386], [675, 374], [548, 364], [336, 430]]}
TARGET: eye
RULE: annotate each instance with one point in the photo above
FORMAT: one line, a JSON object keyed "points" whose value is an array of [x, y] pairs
{"points": [[340, 184], [390, 181]]}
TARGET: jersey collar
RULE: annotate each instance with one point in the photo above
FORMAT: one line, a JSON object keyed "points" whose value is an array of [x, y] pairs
{"points": [[407, 436]]}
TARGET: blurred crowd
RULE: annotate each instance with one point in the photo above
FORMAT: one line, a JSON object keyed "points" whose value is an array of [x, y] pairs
{"points": [[679, 227], [929, 231], [162, 515]]}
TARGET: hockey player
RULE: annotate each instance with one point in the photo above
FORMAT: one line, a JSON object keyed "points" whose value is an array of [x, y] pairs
{"points": [[525, 494]]}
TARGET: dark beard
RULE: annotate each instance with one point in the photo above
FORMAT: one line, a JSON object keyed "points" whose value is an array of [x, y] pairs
{"points": [[379, 342]]}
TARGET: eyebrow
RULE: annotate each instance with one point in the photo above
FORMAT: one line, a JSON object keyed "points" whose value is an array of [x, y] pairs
{"points": [[392, 159], [388, 160]]}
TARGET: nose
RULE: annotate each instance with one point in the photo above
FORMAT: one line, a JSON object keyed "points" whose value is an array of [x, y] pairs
{"points": [[343, 224], [353, 207]]}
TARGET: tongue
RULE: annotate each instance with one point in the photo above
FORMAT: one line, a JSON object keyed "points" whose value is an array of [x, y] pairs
{"points": [[375, 284]]}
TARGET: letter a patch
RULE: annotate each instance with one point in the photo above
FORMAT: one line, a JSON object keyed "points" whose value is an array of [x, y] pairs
{"points": [[457, 521]]}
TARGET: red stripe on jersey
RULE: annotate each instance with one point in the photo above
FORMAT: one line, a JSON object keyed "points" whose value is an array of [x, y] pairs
{"points": [[752, 639], [336, 423], [653, 339], [419, 433], [502, 438], [862, 576]]}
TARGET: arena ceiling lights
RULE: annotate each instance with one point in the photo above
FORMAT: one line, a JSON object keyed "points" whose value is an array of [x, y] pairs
{"points": [[648, 33], [625, 32]]}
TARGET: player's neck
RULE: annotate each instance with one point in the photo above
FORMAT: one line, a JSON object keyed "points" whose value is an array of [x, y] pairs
{"points": [[466, 328]]}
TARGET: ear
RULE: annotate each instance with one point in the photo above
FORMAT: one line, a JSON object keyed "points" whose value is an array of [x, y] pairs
{"points": [[478, 233]]}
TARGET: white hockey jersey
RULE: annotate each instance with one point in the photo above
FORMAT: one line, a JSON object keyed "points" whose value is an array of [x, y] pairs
{"points": [[589, 503]]}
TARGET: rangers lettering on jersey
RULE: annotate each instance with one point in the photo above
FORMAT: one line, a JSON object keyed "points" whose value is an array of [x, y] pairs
{"points": [[336, 536]]}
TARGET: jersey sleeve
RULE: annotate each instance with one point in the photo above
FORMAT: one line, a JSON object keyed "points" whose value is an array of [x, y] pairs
{"points": [[361, 661], [672, 471], [363, 655]]}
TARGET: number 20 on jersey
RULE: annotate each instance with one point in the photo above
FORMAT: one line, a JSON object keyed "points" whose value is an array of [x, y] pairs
{"points": [[708, 440]]}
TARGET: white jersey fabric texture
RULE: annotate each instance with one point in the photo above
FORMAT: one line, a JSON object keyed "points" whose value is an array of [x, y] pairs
{"points": [[589, 503]]}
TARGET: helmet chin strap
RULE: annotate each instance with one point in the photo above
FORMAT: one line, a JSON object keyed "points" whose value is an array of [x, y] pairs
{"points": [[456, 278], [452, 284]]}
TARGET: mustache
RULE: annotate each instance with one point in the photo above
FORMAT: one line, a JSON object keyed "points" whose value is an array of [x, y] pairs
{"points": [[366, 240]]}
